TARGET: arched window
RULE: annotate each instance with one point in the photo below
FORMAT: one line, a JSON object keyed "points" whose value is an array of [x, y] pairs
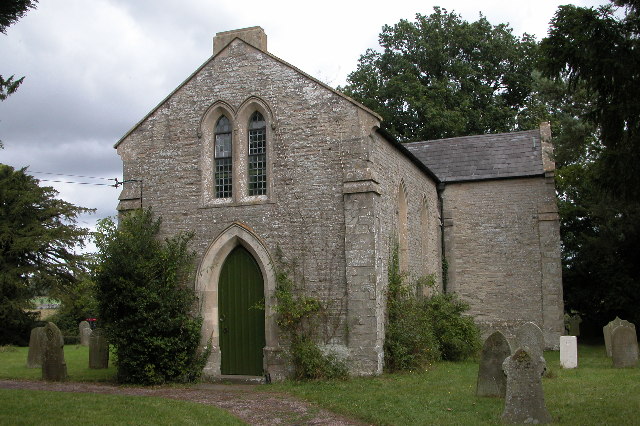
{"points": [[403, 232], [223, 160], [257, 173]]}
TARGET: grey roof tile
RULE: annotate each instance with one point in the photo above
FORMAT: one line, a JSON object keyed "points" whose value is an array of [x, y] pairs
{"points": [[502, 155]]}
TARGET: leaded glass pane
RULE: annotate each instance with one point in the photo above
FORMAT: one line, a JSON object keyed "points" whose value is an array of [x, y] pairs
{"points": [[223, 159], [224, 178], [257, 174], [256, 121], [223, 125], [223, 145], [257, 155]]}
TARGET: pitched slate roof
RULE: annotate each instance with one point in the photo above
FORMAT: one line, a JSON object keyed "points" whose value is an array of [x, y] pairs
{"points": [[499, 156]]}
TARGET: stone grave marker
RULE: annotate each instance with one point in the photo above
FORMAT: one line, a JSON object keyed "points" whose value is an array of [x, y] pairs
{"points": [[568, 351], [530, 336], [37, 340], [98, 350], [573, 325], [524, 401], [53, 365], [491, 378], [624, 347], [85, 333], [608, 329]]}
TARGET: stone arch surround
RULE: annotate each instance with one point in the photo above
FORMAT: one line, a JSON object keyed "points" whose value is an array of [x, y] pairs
{"points": [[206, 287]]}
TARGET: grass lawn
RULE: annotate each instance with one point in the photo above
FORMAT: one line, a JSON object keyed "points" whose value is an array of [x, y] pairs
{"points": [[27, 407], [594, 393]]}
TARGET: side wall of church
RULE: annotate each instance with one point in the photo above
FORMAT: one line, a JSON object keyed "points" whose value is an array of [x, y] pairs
{"points": [[313, 136], [422, 255], [503, 252]]}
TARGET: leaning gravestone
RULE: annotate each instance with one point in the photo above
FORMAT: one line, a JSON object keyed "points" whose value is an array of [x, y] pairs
{"points": [[624, 347], [53, 365], [568, 351], [98, 350], [491, 378], [36, 347], [85, 333], [608, 329], [524, 401], [530, 336]]}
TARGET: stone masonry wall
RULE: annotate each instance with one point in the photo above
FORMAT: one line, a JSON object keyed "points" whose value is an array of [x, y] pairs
{"points": [[503, 253], [314, 135], [423, 225]]}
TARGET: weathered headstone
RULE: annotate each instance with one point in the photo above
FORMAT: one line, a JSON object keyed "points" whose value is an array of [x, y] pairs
{"points": [[98, 350], [524, 401], [568, 351], [491, 378], [85, 333], [573, 325], [530, 337], [53, 365], [608, 329], [624, 347], [36, 347]]}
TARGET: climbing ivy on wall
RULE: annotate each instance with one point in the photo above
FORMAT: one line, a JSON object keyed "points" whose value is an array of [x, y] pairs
{"points": [[297, 316]]}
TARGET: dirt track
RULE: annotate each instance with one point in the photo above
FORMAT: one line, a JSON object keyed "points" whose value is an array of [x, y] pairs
{"points": [[244, 401]]}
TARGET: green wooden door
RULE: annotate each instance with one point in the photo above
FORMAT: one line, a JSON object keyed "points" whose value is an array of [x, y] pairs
{"points": [[240, 290]]}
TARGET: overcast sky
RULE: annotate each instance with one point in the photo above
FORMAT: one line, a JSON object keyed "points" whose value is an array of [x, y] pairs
{"points": [[95, 68]]}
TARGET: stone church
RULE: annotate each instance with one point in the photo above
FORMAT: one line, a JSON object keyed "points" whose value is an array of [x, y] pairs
{"points": [[269, 166]]}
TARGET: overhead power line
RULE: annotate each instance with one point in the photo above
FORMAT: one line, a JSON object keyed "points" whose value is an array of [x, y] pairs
{"points": [[80, 176], [115, 185]]}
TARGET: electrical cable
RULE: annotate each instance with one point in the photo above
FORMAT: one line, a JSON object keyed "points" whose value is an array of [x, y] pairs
{"points": [[80, 176], [79, 183]]}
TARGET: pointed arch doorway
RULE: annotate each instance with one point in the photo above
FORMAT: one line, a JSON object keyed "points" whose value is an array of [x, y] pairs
{"points": [[241, 314]]}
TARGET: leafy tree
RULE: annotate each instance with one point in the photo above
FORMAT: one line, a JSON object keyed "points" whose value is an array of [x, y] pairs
{"points": [[144, 301], [37, 238], [596, 51], [10, 12], [602, 51], [77, 303], [441, 76]]}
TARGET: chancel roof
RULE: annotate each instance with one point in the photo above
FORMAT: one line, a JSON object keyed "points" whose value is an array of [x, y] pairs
{"points": [[468, 158]]}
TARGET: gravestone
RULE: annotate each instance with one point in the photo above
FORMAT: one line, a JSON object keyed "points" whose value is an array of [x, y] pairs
{"points": [[53, 365], [36, 347], [98, 350], [491, 378], [85, 333], [624, 347], [530, 336], [568, 351], [608, 329], [524, 401], [573, 325]]}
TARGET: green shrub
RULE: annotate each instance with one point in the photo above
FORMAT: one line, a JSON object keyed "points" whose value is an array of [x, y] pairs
{"points": [[409, 342], [296, 315], [312, 364], [145, 303], [422, 330], [458, 336]]}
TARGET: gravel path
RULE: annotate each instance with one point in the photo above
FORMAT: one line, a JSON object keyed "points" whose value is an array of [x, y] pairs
{"points": [[244, 401]]}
